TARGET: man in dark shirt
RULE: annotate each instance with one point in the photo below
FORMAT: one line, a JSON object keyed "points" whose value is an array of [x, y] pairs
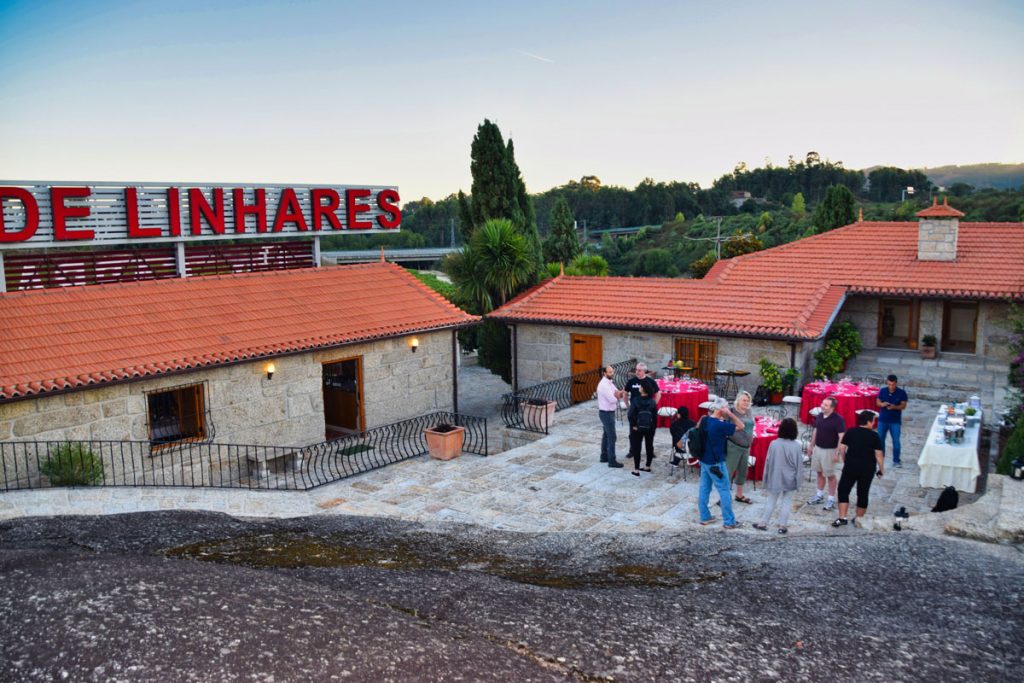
{"points": [[863, 459], [891, 402], [823, 449], [650, 389]]}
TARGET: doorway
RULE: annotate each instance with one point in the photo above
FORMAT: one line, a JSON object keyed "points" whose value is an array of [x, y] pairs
{"points": [[898, 323], [586, 356], [960, 326], [343, 398]]}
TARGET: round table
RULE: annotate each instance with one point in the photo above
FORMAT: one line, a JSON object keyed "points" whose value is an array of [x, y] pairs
{"points": [[675, 394], [850, 398], [765, 431]]}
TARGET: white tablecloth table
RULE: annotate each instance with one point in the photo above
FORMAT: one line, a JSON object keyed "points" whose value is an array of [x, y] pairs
{"points": [[944, 464]]}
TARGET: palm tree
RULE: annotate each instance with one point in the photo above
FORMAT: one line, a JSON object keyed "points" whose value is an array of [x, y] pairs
{"points": [[493, 266]]}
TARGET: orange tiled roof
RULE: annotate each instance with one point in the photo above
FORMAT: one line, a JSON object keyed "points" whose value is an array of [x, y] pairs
{"points": [[792, 291], [943, 211], [57, 339]]}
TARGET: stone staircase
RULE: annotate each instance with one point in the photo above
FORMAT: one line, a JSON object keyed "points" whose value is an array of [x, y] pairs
{"points": [[950, 376]]}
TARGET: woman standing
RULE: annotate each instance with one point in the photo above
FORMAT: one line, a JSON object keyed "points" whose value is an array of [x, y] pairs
{"points": [[782, 474], [737, 455], [642, 422]]}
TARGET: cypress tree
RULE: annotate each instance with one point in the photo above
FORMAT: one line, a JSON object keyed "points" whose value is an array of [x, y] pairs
{"points": [[562, 245]]}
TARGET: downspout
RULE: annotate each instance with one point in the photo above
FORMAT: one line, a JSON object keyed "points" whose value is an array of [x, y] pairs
{"points": [[515, 358], [455, 372], [792, 354]]}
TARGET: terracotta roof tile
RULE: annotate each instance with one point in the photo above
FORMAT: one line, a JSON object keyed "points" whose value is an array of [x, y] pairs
{"points": [[64, 338], [792, 291]]}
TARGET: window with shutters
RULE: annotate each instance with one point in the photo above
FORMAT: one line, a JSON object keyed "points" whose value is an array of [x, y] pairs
{"points": [[700, 354]]}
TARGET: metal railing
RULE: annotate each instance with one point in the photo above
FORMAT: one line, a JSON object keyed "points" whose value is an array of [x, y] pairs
{"points": [[45, 464], [529, 409]]}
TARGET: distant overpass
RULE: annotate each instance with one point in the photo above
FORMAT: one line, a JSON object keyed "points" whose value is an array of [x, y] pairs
{"points": [[424, 255]]}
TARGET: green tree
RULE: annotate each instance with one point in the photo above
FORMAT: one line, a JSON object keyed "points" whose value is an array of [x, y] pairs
{"points": [[837, 209], [701, 266], [562, 245], [495, 264], [659, 261], [585, 264], [741, 243], [798, 208]]}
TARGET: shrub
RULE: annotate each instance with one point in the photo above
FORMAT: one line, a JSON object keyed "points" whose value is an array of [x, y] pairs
{"points": [[829, 360], [772, 378], [73, 464], [1014, 449], [846, 334], [929, 340]]}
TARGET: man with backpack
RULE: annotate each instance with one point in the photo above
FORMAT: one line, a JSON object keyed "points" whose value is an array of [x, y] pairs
{"points": [[714, 430], [642, 422]]}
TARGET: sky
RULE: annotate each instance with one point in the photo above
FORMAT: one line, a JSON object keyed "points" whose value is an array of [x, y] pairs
{"points": [[312, 91]]}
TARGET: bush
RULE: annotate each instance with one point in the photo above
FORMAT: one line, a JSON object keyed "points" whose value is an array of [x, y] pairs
{"points": [[829, 360], [846, 334], [771, 376], [73, 464], [1014, 449]]}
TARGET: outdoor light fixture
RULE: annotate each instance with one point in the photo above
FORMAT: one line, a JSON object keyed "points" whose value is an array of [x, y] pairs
{"points": [[414, 344], [270, 370]]}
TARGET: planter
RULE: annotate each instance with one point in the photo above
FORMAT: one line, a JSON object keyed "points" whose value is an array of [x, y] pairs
{"points": [[447, 444], [775, 398], [538, 416], [927, 352]]}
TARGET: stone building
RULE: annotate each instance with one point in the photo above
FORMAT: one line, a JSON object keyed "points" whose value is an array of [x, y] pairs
{"points": [[896, 281], [284, 358]]}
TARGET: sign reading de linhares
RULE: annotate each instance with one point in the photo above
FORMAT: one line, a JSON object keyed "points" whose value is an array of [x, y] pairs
{"points": [[37, 215]]}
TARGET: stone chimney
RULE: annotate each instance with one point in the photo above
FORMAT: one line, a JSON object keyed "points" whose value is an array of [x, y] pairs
{"points": [[937, 231]]}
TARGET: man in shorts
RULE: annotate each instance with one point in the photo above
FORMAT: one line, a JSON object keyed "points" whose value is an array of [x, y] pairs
{"points": [[824, 451], [863, 459]]}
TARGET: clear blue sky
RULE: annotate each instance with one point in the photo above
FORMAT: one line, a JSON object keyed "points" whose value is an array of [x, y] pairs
{"points": [[391, 93]]}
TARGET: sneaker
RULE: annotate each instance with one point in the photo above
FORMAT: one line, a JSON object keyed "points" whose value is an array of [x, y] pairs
{"points": [[761, 527], [839, 522], [615, 463], [816, 499], [830, 505], [897, 465], [737, 525]]}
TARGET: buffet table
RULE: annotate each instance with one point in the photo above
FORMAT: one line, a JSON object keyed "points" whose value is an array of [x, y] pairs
{"points": [[676, 393], [946, 464], [850, 396]]}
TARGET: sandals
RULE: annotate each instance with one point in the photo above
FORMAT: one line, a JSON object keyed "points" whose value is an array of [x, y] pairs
{"points": [[743, 499], [708, 521]]}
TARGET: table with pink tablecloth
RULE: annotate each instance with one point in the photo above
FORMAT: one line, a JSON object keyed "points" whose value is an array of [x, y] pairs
{"points": [[850, 397], [677, 393], [765, 431]]}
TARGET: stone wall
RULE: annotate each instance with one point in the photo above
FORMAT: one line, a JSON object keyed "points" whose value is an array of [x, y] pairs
{"points": [[544, 351], [993, 334], [244, 406]]}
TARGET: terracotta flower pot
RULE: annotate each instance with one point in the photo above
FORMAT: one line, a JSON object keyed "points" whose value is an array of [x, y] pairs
{"points": [[446, 445], [538, 417], [927, 352]]}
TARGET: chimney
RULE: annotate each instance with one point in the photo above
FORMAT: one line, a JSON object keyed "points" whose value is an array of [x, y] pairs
{"points": [[937, 230]]}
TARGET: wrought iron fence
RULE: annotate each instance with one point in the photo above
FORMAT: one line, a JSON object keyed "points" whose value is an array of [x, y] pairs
{"points": [[530, 409], [44, 464]]}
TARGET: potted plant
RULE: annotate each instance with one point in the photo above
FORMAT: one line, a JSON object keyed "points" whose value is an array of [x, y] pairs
{"points": [[928, 344], [828, 360], [847, 338], [789, 378], [444, 441], [771, 380], [677, 369], [537, 413]]}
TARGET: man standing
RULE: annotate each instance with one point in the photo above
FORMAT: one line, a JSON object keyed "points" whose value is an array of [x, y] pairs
{"points": [[863, 459], [824, 450], [719, 425], [607, 402], [891, 402], [641, 379]]}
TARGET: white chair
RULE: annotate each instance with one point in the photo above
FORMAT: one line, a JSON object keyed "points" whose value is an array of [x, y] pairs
{"points": [[667, 411], [791, 402]]}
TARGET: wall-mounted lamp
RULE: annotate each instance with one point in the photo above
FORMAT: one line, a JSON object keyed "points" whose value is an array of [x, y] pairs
{"points": [[270, 370], [414, 344]]}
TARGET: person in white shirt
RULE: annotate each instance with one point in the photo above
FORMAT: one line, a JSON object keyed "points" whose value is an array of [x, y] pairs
{"points": [[608, 396]]}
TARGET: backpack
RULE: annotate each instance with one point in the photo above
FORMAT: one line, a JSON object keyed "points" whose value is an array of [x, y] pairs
{"points": [[644, 420], [695, 441], [761, 396], [948, 500]]}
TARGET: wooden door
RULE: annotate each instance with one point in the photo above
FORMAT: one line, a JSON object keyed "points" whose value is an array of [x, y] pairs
{"points": [[699, 354], [586, 356], [343, 397]]}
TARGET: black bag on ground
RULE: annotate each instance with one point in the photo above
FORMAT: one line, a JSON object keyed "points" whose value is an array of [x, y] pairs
{"points": [[761, 396], [948, 500]]}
